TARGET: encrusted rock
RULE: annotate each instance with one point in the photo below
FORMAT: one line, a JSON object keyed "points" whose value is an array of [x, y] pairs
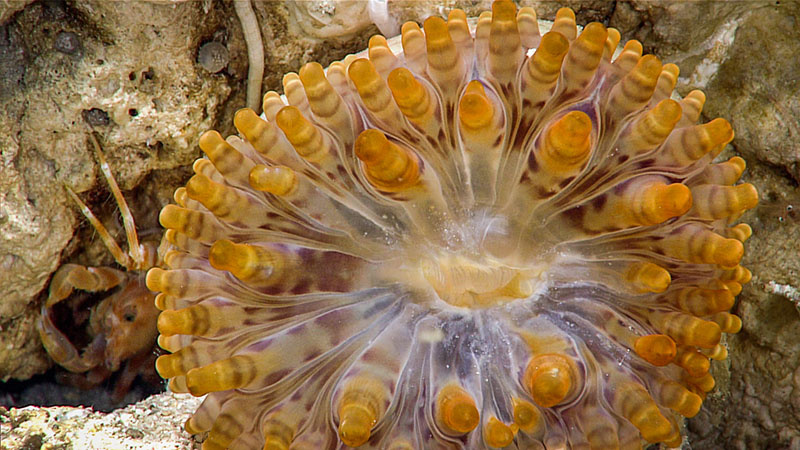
{"points": [[154, 423]]}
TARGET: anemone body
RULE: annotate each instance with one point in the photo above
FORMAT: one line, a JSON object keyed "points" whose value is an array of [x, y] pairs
{"points": [[496, 238]]}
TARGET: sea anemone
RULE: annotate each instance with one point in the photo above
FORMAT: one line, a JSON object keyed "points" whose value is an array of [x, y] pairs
{"points": [[494, 239]]}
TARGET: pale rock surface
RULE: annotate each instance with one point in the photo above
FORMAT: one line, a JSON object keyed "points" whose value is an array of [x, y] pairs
{"points": [[155, 423]]}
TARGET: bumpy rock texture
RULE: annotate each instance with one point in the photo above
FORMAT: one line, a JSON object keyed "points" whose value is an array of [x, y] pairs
{"points": [[133, 75], [148, 100], [154, 423]]}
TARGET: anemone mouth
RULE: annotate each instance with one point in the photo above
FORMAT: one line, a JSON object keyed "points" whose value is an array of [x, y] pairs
{"points": [[496, 239], [460, 271], [467, 283]]}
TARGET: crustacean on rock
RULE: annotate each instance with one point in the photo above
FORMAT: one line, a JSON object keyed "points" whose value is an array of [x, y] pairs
{"points": [[120, 330]]}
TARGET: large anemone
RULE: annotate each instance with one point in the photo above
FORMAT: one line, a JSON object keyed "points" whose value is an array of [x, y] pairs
{"points": [[494, 238]]}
